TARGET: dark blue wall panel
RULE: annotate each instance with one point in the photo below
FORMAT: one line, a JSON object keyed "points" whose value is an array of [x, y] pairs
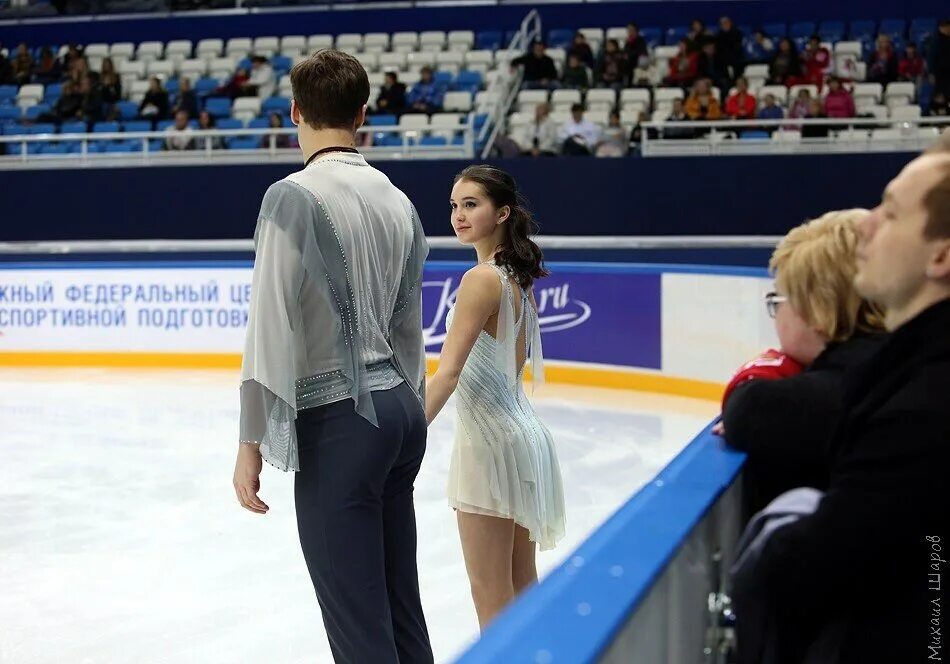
{"points": [[581, 196]]}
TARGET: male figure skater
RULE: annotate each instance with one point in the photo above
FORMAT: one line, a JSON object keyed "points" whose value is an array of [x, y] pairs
{"points": [[334, 370]]}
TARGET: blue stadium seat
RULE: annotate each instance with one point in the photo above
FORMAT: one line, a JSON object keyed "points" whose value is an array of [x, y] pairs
{"points": [[488, 40], [831, 31], [288, 123], [55, 148], [73, 128], [754, 135], [8, 93], [172, 86], [383, 120], [922, 29], [206, 85], [276, 104], [676, 34], [560, 38], [52, 93], [230, 123], [480, 121], [775, 30], [244, 64], [281, 64], [458, 140], [162, 125], [443, 78], [33, 112], [219, 107], [863, 29], [259, 123], [10, 113], [469, 81], [243, 143], [433, 140], [801, 29], [16, 130], [128, 110], [509, 35], [156, 145], [43, 128], [388, 140], [105, 128], [122, 147], [652, 36], [895, 28], [137, 125]]}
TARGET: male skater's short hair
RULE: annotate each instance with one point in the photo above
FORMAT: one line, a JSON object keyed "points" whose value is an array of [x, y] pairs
{"points": [[330, 88]]}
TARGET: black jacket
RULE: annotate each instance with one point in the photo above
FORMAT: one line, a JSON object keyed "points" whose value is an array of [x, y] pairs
{"points": [[729, 46], [786, 425], [855, 581], [536, 69], [395, 98]]}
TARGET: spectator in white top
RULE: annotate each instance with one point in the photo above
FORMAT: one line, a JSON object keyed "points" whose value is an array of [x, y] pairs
{"points": [[540, 138], [578, 136], [614, 141], [180, 134], [263, 81]]}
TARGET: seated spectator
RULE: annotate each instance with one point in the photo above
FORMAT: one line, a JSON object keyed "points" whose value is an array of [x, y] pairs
{"points": [[759, 50], [782, 418], [636, 51], [392, 95], [280, 141], [539, 69], [111, 87], [187, 99], [729, 46], [68, 106], [645, 74], [612, 66], [73, 53], [540, 137], [206, 122], [802, 104], [939, 105], [683, 66], [6, 70], [78, 67], [912, 67], [701, 104], [816, 62], [578, 135], [770, 110], [262, 81], [180, 135], [155, 104], [697, 36], [712, 66], [785, 64], [22, 65], [815, 111], [838, 102], [576, 75], [426, 96], [235, 86], [882, 65], [678, 114], [47, 68], [849, 581], [582, 50], [636, 134], [741, 105], [613, 140], [92, 104]]}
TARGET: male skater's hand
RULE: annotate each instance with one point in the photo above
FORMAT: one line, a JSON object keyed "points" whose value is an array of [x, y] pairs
{"points": [[247, 482]]}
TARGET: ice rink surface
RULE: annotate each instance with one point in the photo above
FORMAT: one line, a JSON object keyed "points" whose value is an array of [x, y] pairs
{"points": [[121, 540]]}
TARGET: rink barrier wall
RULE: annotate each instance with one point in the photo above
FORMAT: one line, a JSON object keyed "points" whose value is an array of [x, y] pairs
{"points": [[672, 329], [638, 588]]}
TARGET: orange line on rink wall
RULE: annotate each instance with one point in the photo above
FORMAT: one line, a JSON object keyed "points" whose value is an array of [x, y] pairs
{"points": [[554, 373]]}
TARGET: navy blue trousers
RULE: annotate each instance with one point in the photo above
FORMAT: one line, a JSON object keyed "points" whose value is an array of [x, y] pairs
{"points": [[357, 526]]}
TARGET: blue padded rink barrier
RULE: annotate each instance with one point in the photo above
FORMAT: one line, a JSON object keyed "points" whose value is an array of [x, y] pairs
{"points": [[122, 533]]}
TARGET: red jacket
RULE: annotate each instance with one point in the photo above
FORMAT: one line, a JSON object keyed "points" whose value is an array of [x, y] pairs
{"points": [[684, 67], [741, 106], [911, 68], [839, 104]]}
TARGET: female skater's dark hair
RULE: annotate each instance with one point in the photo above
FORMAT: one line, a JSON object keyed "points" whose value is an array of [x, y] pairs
{"points": [[517, 252]]}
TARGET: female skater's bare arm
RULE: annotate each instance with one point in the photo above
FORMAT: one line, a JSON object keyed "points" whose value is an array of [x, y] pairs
{"points": [[477, 299]]}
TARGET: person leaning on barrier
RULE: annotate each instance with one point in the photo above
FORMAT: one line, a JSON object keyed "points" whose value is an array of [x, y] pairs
{"points": [[859, 580], [823, 324]]}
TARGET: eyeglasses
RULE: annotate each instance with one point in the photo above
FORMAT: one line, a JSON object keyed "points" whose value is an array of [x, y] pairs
{"points": [[772, 300]]}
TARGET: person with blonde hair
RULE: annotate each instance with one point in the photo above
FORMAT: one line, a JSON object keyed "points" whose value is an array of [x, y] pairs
{"points": [[824, 326]]}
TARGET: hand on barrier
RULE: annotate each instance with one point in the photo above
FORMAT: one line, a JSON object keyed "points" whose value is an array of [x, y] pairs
{"points": [[247, 473], [770, 365]]}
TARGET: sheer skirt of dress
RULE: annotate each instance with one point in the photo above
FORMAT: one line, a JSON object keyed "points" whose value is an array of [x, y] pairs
{"points": [[504, 462]]}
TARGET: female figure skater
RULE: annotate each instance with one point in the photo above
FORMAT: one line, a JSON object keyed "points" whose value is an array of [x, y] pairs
{"points": [[504, 479]]}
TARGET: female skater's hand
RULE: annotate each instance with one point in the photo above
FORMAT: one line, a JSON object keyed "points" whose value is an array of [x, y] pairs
{"points": [[247, 473]]}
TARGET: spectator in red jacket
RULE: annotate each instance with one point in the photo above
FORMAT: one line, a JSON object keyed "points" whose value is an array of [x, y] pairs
{"points": [[816, 61], [741, 105], [912, 66], [839, 103], [683, 66]]}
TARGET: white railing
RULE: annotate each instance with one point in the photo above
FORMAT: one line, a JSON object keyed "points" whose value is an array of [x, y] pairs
{"points": [[547, 242], [724, 137], [529, 32], [19, 155]]}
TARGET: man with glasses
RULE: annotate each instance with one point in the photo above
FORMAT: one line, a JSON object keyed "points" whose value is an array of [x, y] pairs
{"points": [[861, 579]]}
